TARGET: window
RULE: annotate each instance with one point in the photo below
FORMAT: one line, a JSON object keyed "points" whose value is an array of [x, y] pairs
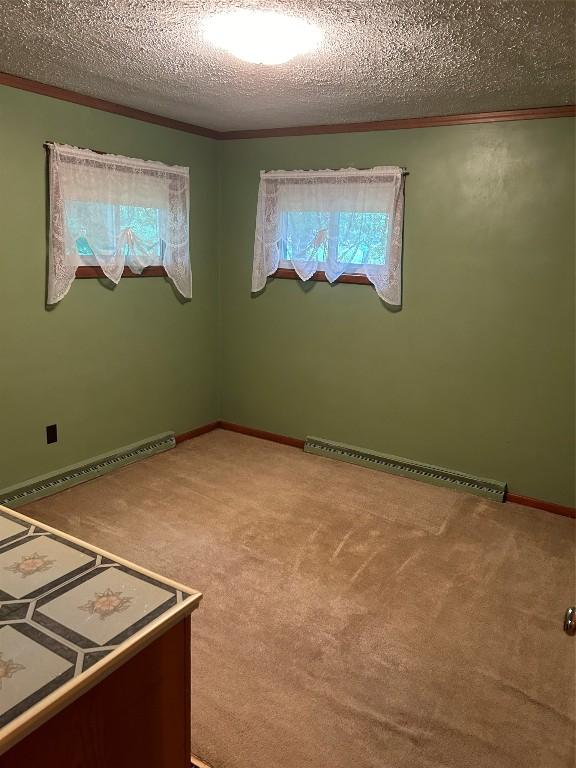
{"points": [[331, 223], [132, 229], [355, 238], [113, 215]]}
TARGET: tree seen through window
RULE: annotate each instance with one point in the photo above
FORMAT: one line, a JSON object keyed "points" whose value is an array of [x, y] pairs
{"points": [[132, 227], [353, 238]]}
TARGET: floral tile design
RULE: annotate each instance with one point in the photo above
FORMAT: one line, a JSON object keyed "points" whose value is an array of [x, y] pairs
{"points": [[107, 603], [33, 665], [30, 564], [8, 668], [37, 562], [103, 604], [63, 608]]}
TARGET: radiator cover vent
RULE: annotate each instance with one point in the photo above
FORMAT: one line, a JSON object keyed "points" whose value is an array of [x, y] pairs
{"points": [[38, 487], [491, 489]]}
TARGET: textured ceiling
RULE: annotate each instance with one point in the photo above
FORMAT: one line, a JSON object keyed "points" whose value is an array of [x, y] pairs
{"points": [[380, 59]]}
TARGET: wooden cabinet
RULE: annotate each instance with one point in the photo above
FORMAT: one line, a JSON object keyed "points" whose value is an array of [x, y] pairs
{"points": [[94, 656], [136, 717]]}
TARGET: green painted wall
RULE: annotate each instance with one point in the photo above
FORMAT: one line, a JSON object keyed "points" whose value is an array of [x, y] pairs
{"points": [[476, 372], [110, 367]]}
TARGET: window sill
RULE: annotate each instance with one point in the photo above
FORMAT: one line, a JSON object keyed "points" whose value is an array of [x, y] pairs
{"points": [[97, 273], [291, 274]]}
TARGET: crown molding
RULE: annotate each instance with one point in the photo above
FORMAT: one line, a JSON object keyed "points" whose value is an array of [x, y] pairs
{"points": [[54, 92], [62, 94], [535, 113]]}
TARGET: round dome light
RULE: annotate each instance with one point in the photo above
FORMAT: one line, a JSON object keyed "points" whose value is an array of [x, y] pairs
{"points": [[261, 37]]}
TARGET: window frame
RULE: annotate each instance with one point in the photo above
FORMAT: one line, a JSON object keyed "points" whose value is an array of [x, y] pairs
{"points": [[320, 277], [96, 273]]}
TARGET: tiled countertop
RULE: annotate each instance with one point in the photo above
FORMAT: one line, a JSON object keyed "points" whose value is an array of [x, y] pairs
{"points": [[69, 614]]}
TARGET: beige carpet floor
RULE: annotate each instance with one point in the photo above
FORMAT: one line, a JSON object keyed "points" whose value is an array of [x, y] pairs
{"points": [[351, 619]]}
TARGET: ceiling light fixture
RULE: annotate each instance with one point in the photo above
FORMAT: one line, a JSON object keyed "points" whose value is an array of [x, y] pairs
{"points": [[261, 37]]}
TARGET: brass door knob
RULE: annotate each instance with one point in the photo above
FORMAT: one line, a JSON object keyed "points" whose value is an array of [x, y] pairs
{"points": [[570, 621]]}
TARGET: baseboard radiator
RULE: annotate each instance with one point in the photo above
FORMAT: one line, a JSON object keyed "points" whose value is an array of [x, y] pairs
{"points": [[38, 487], [490, 489]]}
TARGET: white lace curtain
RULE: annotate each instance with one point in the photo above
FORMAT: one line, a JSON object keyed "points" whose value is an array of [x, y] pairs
{"points": [[346, 221], [112, 211]]}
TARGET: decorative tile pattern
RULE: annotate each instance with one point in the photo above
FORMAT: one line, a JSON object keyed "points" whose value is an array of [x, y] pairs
{"points": [[37, 562], [8, 668], [34, 667], [10, 529], [105, 605], [30, 564], [63, 608]]}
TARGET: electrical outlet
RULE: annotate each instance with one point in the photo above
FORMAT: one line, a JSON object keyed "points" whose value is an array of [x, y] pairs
{"points": [[52, 433]]}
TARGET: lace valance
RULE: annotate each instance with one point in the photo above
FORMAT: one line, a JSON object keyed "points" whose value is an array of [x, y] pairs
{"points": [[345, 221], [114, 212]]}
